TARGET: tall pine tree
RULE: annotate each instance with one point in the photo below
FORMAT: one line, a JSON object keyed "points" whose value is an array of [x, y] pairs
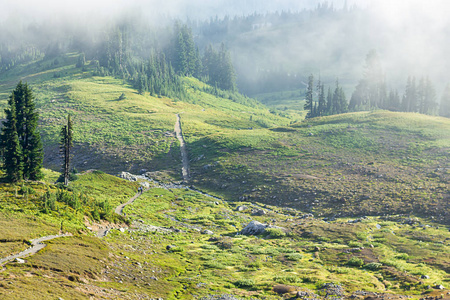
{"points": [[21, 127], [12, 152], [66, 144], [444, 109], [309, 105]]}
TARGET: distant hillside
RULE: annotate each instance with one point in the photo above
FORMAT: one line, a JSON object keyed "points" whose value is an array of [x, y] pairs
{"points": [[366, 163], [116, 128]]}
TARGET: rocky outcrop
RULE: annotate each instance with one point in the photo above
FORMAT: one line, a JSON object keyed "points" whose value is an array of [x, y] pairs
{"points": [[128, 176], [255, 228]]}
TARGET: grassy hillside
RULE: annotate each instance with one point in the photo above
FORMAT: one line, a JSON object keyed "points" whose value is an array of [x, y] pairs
{"points": [[388, 170], [121, 135], [205, 255], [366, 163]]}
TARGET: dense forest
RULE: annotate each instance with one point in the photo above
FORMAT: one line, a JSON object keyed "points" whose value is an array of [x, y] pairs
{"points": [[253, 54]]}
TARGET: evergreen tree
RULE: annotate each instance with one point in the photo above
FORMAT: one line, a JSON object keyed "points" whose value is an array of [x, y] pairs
{"points": [[66, 144], [81, 61], [321, 99], [428, 104], [21, 127], [393, 100], [409, 101], [218, 69], [309, 105], [329, 101], [12, 151], [444, 109], [371, 90]]}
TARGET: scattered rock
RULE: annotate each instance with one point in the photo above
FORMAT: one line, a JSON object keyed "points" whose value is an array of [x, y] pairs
{"points": [[122, 229], [127, 176], [241, 208], [255, 228], [306, 216], [424, 277], [170, 247], [205, 231], [333, 289], [439, 287], [259, 212], [19, 260]]}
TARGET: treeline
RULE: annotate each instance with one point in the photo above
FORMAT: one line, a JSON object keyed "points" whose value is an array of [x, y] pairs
{"points": [[255, 38], [332, 103], [158, 69], [12, 56], [151, 58], [372, 92]]}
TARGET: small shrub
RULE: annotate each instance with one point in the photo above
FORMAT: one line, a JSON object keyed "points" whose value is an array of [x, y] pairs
{"points": [[123, 97], [214, 265], [402, 256], [355, 262], [373, 266], [255, 264], [354, 244], [245, 283], [294, 256], [209, 247], [26, 190], [287, 279], [274, 233], [225, 243]]}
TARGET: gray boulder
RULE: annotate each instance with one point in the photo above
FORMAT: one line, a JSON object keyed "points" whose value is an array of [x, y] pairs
{"points": [[259, 212], [255, 228], [127, 176], [241, 208]]}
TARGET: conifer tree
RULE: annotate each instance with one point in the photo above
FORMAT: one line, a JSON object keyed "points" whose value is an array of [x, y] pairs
{"points": [[444, 109], [21, 127], [321, 99], [12, 151], [309, 105], [409, 101], [66, 144], [329, 101], [393, 100]]}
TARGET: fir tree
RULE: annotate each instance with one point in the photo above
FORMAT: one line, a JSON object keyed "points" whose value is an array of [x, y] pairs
{"points": [[393, 100], [66, 144], [21, 141], [29, 137], [329, 101], [444, 109], [371, 89], [409, 101], [321, 99], [309, 105], [81, 61], [12, 151]]}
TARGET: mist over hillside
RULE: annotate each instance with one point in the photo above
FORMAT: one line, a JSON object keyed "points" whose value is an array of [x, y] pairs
{"points": [[267, 39]]}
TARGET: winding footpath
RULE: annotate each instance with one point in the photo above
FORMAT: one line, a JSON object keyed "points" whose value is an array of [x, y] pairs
{"points": [[36, 246], [184, 154]]}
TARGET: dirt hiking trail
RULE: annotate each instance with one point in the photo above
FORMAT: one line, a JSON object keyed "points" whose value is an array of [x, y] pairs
{"points": [[36, 246], [184, 154]]}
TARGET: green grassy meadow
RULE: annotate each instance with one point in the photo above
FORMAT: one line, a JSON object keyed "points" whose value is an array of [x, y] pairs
{"points": [[376, 183]]}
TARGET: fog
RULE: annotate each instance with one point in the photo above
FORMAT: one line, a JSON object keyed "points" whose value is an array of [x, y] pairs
{"points": [[412, 37]]}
